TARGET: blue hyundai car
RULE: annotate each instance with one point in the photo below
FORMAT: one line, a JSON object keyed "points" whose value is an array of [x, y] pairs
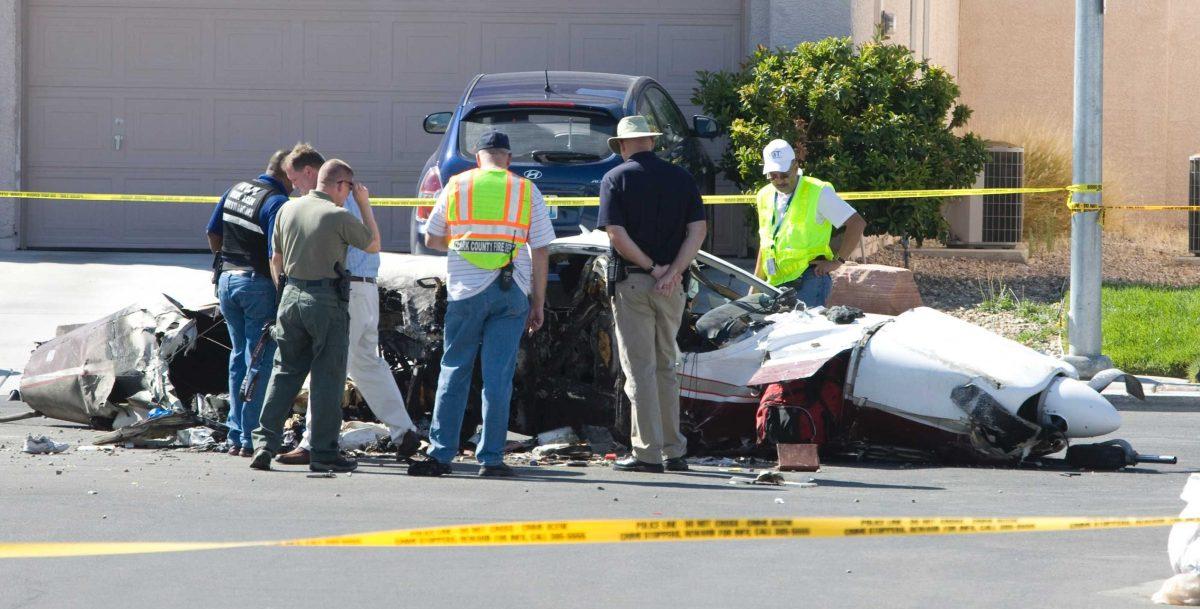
{"points": [[558, 124]]}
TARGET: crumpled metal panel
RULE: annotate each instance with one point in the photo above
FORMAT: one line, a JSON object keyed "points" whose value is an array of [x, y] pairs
{"points": [[801, 342], [85, 373], [911, 367]]}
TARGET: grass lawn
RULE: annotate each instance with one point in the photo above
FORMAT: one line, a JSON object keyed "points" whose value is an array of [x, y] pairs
{"points": [[1147, 329], [1152, 330]]}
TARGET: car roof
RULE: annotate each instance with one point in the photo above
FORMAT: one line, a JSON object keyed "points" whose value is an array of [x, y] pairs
{"points": [[588, 88]]}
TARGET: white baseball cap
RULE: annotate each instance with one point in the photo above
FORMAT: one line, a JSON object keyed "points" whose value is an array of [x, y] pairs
{"points": [[778, 156]]}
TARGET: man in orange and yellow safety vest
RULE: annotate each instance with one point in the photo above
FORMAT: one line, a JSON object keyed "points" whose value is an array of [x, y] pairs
{"points": [[496, 229]]}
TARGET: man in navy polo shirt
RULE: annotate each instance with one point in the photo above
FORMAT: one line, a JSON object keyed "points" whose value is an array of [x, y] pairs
{"points": [[240, 233], [654, 217]]}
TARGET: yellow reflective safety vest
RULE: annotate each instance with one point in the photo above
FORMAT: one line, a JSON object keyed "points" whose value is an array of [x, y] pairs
{"points": [[787, 245], [487, 212]]}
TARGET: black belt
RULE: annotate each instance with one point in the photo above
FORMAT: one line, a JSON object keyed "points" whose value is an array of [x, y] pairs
{"points": [[362, 279], [636, 269], [312, 283]]}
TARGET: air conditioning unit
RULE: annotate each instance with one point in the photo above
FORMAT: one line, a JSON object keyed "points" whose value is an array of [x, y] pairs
{"points": [[1194, 199], [991, 221]]}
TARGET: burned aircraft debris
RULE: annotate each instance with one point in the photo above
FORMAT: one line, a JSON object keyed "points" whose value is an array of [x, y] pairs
{"points": [[118, 370]]}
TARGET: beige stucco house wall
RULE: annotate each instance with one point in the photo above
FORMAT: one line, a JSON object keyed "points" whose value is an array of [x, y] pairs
{"points": [[1014, 63]]}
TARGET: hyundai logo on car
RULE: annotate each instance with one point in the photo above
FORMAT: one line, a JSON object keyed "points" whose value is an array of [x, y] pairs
{"points": [[533, 174]]}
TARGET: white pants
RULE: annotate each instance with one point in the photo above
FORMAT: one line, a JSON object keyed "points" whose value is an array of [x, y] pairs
{"points": [[370, 372]]}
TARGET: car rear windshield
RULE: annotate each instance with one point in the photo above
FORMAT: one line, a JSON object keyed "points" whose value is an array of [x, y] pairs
{"points": [[541, 135]]}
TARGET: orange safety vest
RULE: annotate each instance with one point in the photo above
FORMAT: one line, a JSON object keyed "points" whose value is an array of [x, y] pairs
{"points": [[488, 216]]}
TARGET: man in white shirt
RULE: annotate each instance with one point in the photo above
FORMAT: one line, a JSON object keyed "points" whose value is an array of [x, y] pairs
{"points": [[496, 229], [797, 215]]}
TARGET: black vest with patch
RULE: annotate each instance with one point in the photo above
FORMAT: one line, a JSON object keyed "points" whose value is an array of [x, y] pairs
{"points": [[244, 245]]}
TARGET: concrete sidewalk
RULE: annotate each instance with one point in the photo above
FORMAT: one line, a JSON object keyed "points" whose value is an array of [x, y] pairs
{"points": [[40, 291]]}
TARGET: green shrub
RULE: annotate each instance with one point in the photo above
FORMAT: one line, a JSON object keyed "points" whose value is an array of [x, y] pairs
{"points": [[871, 117]]}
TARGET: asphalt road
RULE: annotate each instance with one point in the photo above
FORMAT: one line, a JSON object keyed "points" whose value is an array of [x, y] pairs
{"points": [[174, 495]]}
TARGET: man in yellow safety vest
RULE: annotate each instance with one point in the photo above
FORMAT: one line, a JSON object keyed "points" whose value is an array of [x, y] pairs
{"points": [[797, 215], [496, 228]]}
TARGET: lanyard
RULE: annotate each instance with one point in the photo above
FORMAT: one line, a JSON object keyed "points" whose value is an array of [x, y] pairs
{"points": [[780, 215]]}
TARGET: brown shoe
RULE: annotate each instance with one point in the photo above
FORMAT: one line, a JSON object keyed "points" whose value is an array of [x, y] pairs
{"points": [[246, 452], [299, 456], [234, 450]]}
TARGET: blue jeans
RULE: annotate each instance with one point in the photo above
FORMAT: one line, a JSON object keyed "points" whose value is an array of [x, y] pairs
{"points": [[248, 303], [493, 321], [811, 289]]}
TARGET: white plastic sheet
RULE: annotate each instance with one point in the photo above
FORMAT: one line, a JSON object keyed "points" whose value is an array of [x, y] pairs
{"points": [[1183, 549]]}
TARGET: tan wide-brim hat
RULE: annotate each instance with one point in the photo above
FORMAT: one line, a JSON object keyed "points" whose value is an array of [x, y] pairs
{"points": [[630, 127]]}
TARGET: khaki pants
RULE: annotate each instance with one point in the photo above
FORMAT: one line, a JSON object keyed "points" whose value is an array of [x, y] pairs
{"points": [[647, 323]]}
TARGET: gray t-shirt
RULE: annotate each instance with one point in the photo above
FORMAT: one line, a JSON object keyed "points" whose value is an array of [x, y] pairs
{"points": [[312, 232]]}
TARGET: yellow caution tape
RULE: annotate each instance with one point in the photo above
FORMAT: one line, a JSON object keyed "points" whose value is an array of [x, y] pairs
{"points": [[593, 201], [1083, 207], [619, 531], [67, 549], [945, 192], [550, 199], [96, 196]]}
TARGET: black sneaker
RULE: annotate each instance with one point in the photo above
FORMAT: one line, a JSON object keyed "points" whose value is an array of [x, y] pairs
{"points": [[261, 460], [428, 467], [340, 464], [678, 464], [409, 443], [500, 470], [631, 464]]}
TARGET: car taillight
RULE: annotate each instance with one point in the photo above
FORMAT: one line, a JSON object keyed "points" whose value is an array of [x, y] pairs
{"points": [[431, 184]]}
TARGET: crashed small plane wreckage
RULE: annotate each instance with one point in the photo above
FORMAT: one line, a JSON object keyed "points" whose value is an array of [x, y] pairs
{"points": [[922, 382]]}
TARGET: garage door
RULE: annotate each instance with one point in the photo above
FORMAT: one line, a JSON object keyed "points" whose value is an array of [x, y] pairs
{"points": [[177, 97]]}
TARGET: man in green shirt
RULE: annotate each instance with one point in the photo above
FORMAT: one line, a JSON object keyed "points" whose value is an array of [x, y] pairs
{"points": [[312, 327]]}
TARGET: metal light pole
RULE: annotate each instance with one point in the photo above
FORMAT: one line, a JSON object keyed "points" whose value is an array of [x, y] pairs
{"points": [[1083, 321]]}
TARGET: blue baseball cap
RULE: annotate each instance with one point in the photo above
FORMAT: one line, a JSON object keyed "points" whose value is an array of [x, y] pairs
{"points": [[493, 139]]}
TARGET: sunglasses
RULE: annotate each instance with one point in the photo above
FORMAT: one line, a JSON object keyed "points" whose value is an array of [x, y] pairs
{"points": [[350, 182]]}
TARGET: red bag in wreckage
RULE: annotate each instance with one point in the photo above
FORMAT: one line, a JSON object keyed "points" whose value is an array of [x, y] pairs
{"points": [[806, 411]]}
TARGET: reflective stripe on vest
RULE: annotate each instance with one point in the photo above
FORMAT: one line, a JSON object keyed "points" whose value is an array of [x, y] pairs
{"points": [[799, 238], [487, 212]]}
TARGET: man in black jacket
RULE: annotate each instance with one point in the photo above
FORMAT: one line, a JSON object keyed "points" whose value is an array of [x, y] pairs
{"points": [[239, 232]]}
